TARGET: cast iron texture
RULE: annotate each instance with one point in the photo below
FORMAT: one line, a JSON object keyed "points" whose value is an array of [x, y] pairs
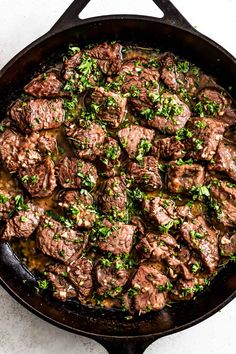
{"points": [[173, 33]]}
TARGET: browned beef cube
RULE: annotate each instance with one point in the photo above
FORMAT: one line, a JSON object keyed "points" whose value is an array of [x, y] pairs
{"points": [[108, 57], [136, 140], [45, 85], [18, 151], [46, 144], [228, 245], [224, 202], [88, 142], [111, 278], [110, 157], [146, 173], [37, 114], [7, 203], [161, 211], [23, 223], [203, 240], [163, 248], [181, 178], [225, 159], [180, 77], [58, 241], [62, 288], [39, 180], [75, 173], [113, 199], [156, 246], [169, 115], [110, 107], [168, 72], [206, 135], [139, 83], [183, 290], [116, 238], [167, 148], [79, 206], [103, 58], [213, 102], [70, 65], [80, 274], [145, 285], [229, 116]]}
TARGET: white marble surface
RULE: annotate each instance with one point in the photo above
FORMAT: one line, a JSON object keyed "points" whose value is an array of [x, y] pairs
{"points": [[22, 21]]}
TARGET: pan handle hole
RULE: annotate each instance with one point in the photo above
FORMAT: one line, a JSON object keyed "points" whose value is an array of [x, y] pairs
{"points": [[108, 7]]}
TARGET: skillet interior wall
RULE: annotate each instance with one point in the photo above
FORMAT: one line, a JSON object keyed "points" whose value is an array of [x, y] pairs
{"points": [[151, 34]]}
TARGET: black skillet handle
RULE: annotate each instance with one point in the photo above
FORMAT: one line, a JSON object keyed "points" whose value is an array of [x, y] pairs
{"points": [[171, 16], [125, 346]]}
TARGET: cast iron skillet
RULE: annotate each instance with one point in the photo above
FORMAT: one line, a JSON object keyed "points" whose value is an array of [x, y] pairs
{"points": [[174, 33]]}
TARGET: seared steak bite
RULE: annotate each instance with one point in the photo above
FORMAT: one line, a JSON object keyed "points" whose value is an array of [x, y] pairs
{"points": [[203, 240], [228, 245], [116, 238], [108, 57], [146, 173], [156, 246], [79, 206], [213, 102], [163, 248], [139, 83], [37, 114], [80, 274], [181, 178], [110, 279], [161, 211], [88, 142], [85, 68], [148, 289], [167, 148], [225, 159], [169, 115], [23, 223], [58, 241], [62, 288], [44, 85], [74, 173], [183, 290], [17, 151], [113, 198], [7, 204], [206, 133], [136, 140], [39, 180], [108, 106], [223, 203]]}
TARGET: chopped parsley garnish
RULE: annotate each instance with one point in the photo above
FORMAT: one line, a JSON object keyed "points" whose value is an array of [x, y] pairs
{"points": [[43, 284], [143, 148], [199, 191], [183, 66], [197, 235], [181, 162], [3, 199], [200, 124], [196, 267], [20, 204], [183, 133]]}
